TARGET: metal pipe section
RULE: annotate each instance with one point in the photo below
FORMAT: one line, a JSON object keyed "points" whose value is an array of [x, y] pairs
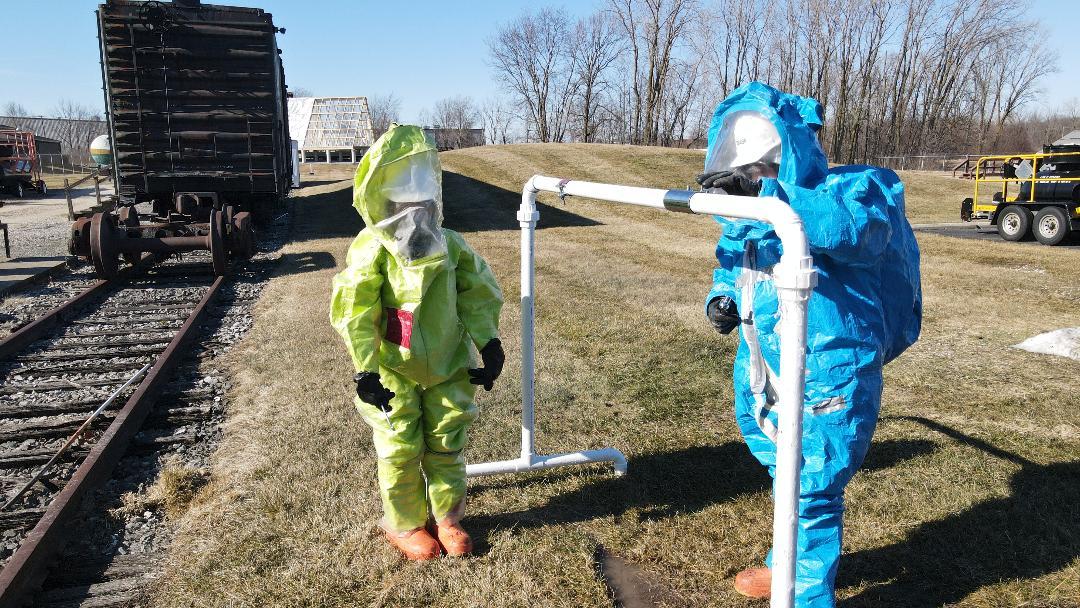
{"points": [[794, 277], [166, 245]]}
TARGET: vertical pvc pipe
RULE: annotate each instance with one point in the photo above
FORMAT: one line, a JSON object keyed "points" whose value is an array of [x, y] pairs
{"points": [[527, 217], [793, 296]]}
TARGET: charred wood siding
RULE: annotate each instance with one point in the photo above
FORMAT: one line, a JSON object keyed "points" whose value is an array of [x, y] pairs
{"points": [[196, 99]]}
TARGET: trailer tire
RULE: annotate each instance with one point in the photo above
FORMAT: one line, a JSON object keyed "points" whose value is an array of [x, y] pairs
{"points": [[1014, 223], [19, 190], [1051, 225]]}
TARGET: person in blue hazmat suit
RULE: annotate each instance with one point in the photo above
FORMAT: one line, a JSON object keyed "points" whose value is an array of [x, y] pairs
{"points": [[865, 310]]}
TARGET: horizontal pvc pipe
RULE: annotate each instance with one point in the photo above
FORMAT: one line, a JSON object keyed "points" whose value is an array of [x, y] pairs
{"points": [[769, 209], [536, 463]]}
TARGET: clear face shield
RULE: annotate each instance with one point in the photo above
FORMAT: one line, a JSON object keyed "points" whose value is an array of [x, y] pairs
{"points": [[749, 142], [411, 215]]}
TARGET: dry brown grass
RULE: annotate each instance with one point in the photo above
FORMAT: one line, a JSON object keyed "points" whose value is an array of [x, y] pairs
{"points": [[934, 197], [969, 494], [173, 492]]}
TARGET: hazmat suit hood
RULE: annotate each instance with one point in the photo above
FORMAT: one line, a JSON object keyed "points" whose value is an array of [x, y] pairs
{"points": [[795, 120], [398, 192], [771, 119]]}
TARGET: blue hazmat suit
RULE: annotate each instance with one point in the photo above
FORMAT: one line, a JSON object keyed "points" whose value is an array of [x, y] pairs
{"points": [[865, 310]]}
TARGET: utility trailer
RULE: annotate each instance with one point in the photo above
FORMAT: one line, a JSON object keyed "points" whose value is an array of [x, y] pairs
{"points": [[20, 171], [198, 123], [1046, 200]]}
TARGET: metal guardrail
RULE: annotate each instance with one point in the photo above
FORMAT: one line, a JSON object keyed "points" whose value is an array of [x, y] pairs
{"points": [[925, 162]]}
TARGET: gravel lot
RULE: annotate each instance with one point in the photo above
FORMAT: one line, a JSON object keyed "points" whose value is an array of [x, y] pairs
{"points": [[39, 226]]}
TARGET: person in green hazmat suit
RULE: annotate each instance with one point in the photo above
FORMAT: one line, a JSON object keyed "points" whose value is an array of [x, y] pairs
{"points": [[412, 297]]}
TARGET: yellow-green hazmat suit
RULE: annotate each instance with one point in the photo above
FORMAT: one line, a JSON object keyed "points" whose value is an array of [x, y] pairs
{"points": [[412, 296]]}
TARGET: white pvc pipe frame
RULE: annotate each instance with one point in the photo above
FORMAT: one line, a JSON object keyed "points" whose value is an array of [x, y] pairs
{"points": [[794, 277]]}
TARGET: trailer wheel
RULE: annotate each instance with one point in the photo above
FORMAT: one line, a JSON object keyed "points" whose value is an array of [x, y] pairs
{"points": [[1051, 225], [20, 190], [1014, 223], [42, 189]]}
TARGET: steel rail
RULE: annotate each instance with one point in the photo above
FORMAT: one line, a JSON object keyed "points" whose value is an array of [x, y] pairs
{"points": [[36, 329], [19, 339], [27, 567], [74, 437]]}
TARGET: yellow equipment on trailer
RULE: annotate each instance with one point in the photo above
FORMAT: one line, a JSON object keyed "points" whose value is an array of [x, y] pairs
{"points": [[1046, 200]]}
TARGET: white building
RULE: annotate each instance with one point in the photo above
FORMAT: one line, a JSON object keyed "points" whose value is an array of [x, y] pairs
{"points": [[330, 129]]}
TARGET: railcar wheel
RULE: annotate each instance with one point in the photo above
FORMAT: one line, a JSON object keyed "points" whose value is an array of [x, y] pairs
{"points": [[103, 246], [230, 213], [217, 243], [79, 245], [129, 218], [243, 236]]}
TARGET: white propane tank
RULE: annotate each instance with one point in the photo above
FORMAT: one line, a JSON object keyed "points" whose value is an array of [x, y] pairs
{"points": [[101, 151]]}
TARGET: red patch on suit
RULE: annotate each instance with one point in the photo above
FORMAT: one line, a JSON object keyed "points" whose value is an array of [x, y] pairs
{"points": [[399, 326]]}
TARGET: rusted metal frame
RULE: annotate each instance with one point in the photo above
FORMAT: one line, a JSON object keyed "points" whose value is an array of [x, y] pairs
{"points": [[26, 568]]}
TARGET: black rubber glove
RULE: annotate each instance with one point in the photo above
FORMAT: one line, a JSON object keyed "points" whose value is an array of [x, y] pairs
{"points": [[723, 314], [493, 357], [370, 390], [735, 182]]}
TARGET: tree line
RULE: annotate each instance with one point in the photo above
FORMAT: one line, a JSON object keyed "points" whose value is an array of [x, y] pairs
{"points": [[899, 77]]}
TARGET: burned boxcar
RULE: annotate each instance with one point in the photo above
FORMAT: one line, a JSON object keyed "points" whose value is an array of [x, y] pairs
{"points": [[198, 123]]}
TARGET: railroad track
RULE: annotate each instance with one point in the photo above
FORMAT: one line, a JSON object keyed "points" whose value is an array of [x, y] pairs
{"points": [[121, 338], [32, 300]]}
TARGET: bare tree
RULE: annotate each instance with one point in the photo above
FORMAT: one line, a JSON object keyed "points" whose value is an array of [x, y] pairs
{"points": [[533, 61], [301, 92], [385, 110], [13, 108], [79, 125], [455, 117], [654, 28], [895, 77], [597, 43], [496, 117]]}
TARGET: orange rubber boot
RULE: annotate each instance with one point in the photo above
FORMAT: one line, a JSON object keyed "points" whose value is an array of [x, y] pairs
{"points": [[417, 545], [454, 539], [754, 582]]}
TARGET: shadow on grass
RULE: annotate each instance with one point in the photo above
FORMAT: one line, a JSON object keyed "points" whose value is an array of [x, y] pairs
{"points": [[311, 183], [664, 484], [325, 215], [470, 205], [308, 261], [1030, 533]]}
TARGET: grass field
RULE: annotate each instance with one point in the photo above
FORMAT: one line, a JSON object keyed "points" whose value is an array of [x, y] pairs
{"points": [[970, 494]]}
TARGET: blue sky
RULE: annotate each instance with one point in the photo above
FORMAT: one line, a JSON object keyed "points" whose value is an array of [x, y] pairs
{"points": [[420, 50]]}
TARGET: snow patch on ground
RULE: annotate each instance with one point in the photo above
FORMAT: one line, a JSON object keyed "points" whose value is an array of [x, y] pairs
{"points": [[1061, 342]]}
